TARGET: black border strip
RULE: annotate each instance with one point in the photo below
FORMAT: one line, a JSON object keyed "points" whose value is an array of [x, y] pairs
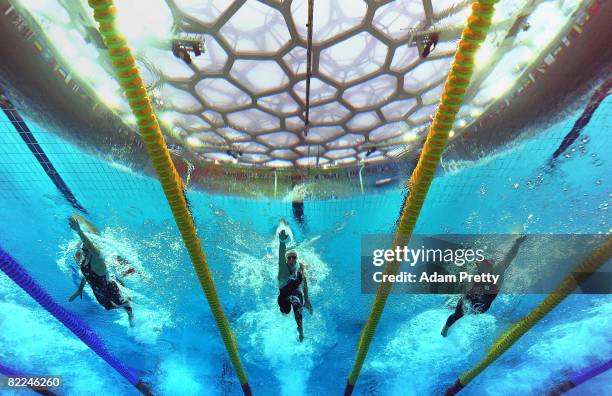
{"points": [[24, 131]]}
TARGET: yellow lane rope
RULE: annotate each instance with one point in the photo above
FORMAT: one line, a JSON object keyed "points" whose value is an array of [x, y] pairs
{"points": [[457, 82], [596, 259], [130, 80]]}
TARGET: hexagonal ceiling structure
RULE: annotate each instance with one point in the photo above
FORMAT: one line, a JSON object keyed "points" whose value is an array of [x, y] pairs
{"points": [[372, 88]]}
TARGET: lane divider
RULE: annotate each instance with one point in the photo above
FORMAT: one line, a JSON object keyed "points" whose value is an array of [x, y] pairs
{"points": [[20, 276], [129, 78], [594, 260], [30, 140], [458, 79]]}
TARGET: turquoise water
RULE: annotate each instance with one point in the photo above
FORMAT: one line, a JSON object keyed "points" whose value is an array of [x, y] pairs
{"points": [[175, 343]]}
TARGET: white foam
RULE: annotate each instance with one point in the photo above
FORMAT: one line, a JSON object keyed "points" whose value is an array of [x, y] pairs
{"points": [[34, 339], [180, 374], [150, 318], [417, 352], [272, 337]]}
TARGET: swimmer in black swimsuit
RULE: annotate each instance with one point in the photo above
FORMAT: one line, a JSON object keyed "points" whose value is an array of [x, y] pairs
{"points": [[293, 287], [480, 296], [95, 272], [297, 206]]}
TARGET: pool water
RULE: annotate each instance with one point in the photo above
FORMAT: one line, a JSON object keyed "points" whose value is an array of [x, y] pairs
{"points": [[175, 343]]}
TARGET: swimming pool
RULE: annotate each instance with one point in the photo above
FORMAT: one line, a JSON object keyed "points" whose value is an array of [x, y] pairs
{"points": [[175, 344]]}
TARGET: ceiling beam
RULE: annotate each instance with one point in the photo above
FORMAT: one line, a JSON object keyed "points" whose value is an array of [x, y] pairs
{"points": [[429, 14]]}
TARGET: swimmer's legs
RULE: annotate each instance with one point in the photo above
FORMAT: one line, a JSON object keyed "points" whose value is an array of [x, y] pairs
{"points": [[298, 211], [458, 314], [130, 313], [297, 313]]}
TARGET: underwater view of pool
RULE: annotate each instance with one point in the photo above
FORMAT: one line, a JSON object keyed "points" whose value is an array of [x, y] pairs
{"points": [[175, 346]]}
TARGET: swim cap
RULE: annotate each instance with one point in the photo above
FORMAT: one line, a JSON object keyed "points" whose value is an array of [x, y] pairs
{"points": [[290, 252]]}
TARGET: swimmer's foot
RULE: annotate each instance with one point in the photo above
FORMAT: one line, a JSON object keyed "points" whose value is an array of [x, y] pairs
{"points": [[445, 331]]}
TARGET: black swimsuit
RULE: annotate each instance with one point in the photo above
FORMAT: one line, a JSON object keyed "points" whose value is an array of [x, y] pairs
{"points": [[291, 295], [107, 292]]}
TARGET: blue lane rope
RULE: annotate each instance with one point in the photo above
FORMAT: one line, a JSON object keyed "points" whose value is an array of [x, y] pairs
{"points": [[580, 377], [26, 135], [20, 276]]}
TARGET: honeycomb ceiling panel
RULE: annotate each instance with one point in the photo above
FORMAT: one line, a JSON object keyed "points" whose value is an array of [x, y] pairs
{"points": [[259, 76], [246, 90], [422, 114], [323, 134], [341, 153], [345, 161], [329, 112], [279, 139], [281, 103], [310, 149], [394, 19], [295, 124], [366, 120], [256, 28], [284, 154], [213, 117], [353, 58], [280, 164], [169, 66], [214, 59], [348, 140], [373, 92], [233, 135], [425, 72], [253, 120], [333, 18], [205, 11], [294, 59], [396, 110], [432, 95], [311, 161], [320, 91], [251, 147], [404, 56], [221, 94], [189, 122], [388, 131], [200, 139], [255, 158], [179, 100]]}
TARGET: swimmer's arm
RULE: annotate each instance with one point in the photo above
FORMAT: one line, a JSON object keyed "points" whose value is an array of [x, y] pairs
{"points": [[503, 265], [89, 245], [79, 291], [75, 224]]}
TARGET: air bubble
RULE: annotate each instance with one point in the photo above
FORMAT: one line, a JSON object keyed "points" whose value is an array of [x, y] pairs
{"points": [[539, 179], [598, 182]]}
